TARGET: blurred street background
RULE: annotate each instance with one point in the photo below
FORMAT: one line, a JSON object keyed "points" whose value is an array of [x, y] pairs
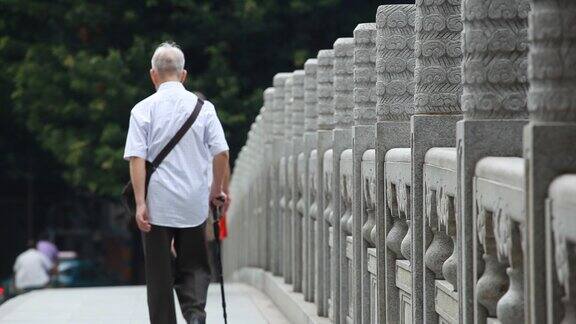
{"points": [[71, 72]]}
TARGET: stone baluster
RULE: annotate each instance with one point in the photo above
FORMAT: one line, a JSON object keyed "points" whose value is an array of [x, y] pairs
{"points": [[395, 97], [549, 150], [277, 189], [297, 143], [325, 90], [342, 140], [259, 222], [310, 143], [494, 103], [288, 179], [269, 143], [438, 88]]}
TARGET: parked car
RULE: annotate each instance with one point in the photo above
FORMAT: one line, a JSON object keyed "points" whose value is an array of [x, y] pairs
{"points": [[83, 273], [7, 289]]}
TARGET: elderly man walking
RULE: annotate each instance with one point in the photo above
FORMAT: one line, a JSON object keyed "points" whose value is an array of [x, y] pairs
{"points": [[174, 205]]}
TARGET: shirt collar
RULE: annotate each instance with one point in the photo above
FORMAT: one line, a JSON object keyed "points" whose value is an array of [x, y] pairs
{"points": [[170, 85]]}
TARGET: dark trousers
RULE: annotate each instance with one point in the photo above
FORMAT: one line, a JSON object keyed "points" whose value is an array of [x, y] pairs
{"points": [[188, 274]]}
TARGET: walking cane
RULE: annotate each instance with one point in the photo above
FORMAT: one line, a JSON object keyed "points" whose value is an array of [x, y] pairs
{"points": [[216, 216]]}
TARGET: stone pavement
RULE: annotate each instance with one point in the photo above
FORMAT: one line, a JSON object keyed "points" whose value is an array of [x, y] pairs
{"points": [[127, 305]]}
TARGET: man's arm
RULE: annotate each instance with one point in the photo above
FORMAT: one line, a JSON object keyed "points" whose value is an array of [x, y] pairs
{"points": [[226, 189], [138, 178], [219, 174]]}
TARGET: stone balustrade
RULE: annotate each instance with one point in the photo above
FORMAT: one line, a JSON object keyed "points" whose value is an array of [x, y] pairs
{"points": [[422, 170]]}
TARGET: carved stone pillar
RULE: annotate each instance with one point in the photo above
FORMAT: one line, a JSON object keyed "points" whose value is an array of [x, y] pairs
{"points": [[560, 249], [364, 134], [277, 190], [325, 90], [437, 77], [258, 222], [297, 166], [269, 143], [395, 105], [288, 180], [549, 150], [310, 143], [342, 139], [494, 104], [368, 273], [346, 279]]}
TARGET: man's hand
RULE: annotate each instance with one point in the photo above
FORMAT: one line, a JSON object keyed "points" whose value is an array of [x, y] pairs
{"points": [[219, 168], [142, 218], [138, 177], [226, 203], [217, 197]]}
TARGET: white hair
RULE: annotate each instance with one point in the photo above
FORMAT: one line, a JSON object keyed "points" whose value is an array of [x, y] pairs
{"points": [[168, 59]]}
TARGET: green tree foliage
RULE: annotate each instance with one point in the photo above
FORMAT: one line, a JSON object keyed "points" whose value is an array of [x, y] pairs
{"points": [[73, 69]]}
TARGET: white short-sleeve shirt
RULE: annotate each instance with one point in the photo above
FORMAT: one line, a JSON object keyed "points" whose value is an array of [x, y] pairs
{"points": [[179, 188], [31, 270]]}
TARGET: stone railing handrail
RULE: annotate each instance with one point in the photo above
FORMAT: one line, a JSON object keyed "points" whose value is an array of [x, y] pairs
{"points": [[422, 170]]}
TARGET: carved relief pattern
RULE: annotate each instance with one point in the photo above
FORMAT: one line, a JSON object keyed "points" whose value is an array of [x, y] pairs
{"points": [[494, 69], [365, 74], [395, 62], [441, 246], [493, 283], [279, 81], [508, 249], [399, 228], [268, 113], [288, 98], [449, 221], [368, 194], [403, 196], [328, 210], [553, 61], [298, 102], [310, 97], [325, 90], [313, 210], [346, 199], [343, 82], [399, 237], [438, 57]]}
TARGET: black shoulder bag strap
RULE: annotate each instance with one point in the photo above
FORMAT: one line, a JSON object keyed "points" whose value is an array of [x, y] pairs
{"points": [[128, 191], [179, 134]]}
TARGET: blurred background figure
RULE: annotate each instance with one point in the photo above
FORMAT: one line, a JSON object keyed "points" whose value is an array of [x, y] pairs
{"points": [[32, 269], [48, 248]]}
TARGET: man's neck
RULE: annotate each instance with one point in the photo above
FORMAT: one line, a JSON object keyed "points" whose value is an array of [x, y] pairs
{"points": [[167, 81]]}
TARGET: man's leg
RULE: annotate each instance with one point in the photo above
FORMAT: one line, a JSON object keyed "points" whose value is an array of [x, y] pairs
{"points": [[192, 271], [159, 279]]}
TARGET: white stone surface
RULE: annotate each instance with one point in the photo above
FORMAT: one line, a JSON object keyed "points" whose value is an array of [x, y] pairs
{"points": [[126, 305]]}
